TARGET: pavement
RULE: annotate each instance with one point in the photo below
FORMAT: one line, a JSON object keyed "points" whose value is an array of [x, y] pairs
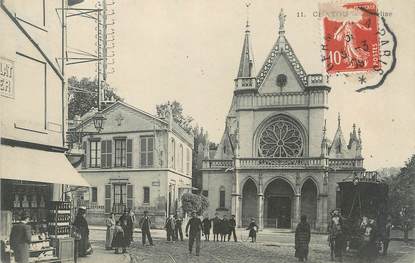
{"points": [[272, 246]]}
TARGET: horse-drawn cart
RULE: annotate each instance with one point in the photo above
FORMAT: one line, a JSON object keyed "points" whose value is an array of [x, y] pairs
{"points": [[362, 197]]}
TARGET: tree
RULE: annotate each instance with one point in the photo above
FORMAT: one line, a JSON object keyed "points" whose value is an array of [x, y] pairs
{"points": [[184, 121], [193, 202], [402, 190], [83, 96]]}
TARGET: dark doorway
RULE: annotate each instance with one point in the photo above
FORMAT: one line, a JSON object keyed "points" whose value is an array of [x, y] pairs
{"points": [[279, 211], [309, 202], [277, 204], [249, 202]]}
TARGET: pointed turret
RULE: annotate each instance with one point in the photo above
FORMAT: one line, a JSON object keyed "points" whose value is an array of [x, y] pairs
{"points": [[338, 146], [246, 64], [324, 142], [244, 79], [353, 137], [359, 145]]}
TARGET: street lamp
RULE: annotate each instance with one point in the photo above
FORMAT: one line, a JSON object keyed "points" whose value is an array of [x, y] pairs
{"points": [[98, 121]]}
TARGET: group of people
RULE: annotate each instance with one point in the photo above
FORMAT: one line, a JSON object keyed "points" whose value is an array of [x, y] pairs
{"points": [[368, 237], [173, 228], [221, 227], [120, 232]]}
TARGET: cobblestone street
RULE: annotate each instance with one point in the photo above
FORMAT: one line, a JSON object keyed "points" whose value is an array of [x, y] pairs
{"points": [[271, 247]]}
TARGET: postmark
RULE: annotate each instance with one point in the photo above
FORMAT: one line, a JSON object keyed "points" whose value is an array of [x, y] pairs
{"points": [[358, 46]]}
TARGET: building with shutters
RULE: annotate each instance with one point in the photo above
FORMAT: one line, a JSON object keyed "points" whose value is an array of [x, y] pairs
{"points": [[275, 162], [137, 161]]}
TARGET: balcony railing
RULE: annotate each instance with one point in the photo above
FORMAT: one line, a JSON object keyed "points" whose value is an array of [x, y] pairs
{"points": [[345, 163], [245, 83], [277, 163], [217, 164], [282, 162]]}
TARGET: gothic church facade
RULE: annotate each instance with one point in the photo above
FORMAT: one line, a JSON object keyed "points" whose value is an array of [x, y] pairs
{"points": [[274, 162]]}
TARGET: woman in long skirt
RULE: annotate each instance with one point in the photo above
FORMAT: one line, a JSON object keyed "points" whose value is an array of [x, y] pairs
{"points": [[302, 239], [118, 242], [110, 222], [82, 225]]}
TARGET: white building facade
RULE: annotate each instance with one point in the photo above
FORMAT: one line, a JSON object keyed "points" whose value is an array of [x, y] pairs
{"points": [[137, 161]]}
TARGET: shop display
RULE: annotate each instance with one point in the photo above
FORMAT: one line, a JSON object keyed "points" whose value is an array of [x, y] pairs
{"points": [[59, 219]]}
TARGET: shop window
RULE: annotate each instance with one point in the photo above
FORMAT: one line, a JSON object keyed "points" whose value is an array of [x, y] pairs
{"points": [[147, 151], [222, 197], [94, 194], [146, 199], [95, 154]]}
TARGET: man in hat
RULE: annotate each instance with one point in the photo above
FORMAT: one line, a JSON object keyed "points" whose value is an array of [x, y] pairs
{"points": [[178, 233], [216, 222], [195, 225], [20, 238], [145, 224], [232, 226], [170, 226]]}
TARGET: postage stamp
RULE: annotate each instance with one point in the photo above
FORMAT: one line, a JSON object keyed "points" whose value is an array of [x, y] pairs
{"points": [[351, 39], [357, 43]]}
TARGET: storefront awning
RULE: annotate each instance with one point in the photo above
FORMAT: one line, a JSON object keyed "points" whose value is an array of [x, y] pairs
{"points": [[17, 163]]}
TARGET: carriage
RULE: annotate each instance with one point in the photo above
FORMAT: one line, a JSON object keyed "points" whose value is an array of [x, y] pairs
{"points": [[363, 195]]}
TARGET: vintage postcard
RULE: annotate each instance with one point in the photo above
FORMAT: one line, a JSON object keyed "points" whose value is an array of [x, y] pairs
{"points": [[207, 131]]}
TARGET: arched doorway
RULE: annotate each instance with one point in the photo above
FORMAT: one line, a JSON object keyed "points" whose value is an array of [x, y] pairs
{"points": [[249, 202], [309, 201], [278, 204]]}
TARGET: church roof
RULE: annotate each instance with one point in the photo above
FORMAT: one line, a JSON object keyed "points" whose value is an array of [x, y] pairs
{"points": [[282, 47], [246, 64]]}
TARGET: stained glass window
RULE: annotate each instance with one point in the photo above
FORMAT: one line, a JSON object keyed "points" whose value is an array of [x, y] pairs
{"points": [[281, 138]]}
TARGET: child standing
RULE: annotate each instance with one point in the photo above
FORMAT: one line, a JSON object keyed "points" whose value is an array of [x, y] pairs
{"points": [[253, 228]]}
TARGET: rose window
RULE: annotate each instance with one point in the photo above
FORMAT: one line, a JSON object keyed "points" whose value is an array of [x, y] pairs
{"points": [[281, 138]]}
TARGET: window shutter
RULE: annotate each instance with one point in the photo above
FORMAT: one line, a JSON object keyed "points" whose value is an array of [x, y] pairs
{"points": [[146, 195], [103, 154], [109, 154], [84, 161], [150, 151], [107, 198], [129, 152], [130, 196], [143, 151]]}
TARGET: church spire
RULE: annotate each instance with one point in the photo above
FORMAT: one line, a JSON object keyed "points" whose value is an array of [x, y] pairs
{"points": [[246, 64]]}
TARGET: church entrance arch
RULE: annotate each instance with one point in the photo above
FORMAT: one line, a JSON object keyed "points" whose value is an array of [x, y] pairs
{"points": [[278, 208], [309, 201], [249, 202]]}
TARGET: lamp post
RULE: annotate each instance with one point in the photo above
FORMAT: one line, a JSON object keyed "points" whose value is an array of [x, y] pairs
{"points": [[98, 121]]}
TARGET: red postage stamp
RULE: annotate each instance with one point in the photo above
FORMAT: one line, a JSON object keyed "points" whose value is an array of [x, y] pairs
{"points": [[351, 39]]}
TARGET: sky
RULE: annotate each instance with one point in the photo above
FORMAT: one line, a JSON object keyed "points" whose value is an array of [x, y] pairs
{"points": [[189, 51]]}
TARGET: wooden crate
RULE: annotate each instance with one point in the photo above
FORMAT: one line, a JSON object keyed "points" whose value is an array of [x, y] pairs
{"points": [[64, 248]]}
